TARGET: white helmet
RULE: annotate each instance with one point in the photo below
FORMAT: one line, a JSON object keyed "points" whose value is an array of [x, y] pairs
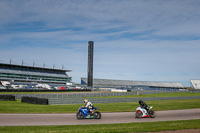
{"points": [[85, 101]]}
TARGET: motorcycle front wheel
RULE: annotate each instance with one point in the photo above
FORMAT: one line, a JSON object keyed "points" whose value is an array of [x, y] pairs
{"points": [[138, 114], [80, 115], [152, 114], [97, 115]]}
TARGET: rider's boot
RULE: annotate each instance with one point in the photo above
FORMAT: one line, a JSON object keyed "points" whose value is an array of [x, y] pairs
{"points": [[148, 111]]}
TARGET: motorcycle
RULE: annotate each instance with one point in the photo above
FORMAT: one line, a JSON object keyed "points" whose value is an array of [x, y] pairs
{"points": [[142, 113], [84, 113]]}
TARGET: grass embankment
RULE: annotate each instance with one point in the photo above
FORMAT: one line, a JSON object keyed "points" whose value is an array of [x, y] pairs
{"points": [[18, 107], [108, 128]]}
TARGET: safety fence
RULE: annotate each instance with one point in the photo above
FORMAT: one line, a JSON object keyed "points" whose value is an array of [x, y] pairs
{"points": [[87, 94], [100, 97], [115, 100], [75, 95]]}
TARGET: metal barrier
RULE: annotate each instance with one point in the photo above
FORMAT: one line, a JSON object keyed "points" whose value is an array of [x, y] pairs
{"points": [[77, 98], [115, 100], [75, 95], [88, 94]]}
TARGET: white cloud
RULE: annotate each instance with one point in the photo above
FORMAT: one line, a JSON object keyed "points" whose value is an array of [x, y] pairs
{"points": [[134, 39]]}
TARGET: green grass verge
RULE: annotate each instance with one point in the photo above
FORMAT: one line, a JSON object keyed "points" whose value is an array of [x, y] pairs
{"points": [[108, 128], [18, 107]]}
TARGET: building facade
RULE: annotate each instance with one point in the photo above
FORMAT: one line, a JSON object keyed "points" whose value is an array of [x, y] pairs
{"points": [[30, 74], [132, 84]]}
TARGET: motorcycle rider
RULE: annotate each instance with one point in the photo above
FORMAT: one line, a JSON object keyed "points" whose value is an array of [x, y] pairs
{"points": [[144, 105], [89, 105]]}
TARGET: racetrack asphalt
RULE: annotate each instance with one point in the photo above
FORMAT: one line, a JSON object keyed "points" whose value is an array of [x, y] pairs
{"points": [[115, 117]]}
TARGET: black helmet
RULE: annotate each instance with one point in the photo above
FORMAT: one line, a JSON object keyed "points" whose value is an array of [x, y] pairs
{"points": [[140, 101]]}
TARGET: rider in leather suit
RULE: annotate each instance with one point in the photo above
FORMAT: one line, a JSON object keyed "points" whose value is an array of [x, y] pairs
{"points": [[89, 105], [143, 105]]}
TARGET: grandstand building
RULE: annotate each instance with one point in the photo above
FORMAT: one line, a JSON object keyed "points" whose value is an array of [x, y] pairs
{"points": [[30, 74], [195, 84], [132, 84]]}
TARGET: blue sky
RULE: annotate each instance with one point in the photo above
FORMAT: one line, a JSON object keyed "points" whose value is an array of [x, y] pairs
{"points": [[139, 40]]}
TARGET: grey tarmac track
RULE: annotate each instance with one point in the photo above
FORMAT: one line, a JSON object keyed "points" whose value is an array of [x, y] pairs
{"points": [[116, 117]]}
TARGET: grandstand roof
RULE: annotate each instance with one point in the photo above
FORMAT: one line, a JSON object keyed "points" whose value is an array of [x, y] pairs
{"points": [[109, 82], [32, 67], [195, 83], [36, 73]]}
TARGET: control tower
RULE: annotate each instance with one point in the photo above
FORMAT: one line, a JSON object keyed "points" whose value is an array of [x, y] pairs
{"points": [[90, 64]]}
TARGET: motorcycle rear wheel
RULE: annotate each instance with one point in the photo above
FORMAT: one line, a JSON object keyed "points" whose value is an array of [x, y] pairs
{"points": [[80, 116]]}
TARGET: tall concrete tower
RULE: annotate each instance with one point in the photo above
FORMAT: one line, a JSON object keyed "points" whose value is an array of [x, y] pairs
{"points": [[90, 64]]}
